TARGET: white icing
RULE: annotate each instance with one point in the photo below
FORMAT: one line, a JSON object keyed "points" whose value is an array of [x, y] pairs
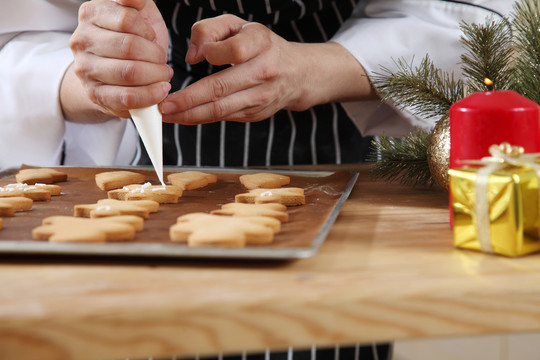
{"points": [[103, 207], [266, 193], [148, 122]]}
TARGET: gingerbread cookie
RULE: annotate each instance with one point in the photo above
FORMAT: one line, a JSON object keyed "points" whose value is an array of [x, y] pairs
{"points": [[112, 207], [274, 210], [8, 205], [201, 229], [289, 196], [36, 192], [116, 179], [1, 223], [75, 229], [40, 175], [162, 194], [264, 180], [189, 180]]}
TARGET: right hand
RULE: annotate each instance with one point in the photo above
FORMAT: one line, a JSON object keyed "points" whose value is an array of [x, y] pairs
{"points": [[120, 54]]}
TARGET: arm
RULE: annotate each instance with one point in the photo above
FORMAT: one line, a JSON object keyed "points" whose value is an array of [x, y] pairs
{"points": [[416, 30], [34, 57]]}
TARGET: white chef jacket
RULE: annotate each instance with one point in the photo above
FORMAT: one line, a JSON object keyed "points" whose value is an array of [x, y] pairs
{"points": [[34, 55]]}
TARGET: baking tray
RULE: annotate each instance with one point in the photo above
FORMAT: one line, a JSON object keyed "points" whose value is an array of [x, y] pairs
{"points": [[300, 237]]}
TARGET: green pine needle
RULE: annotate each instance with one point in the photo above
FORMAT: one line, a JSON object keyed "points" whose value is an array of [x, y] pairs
{"points": [[488, 54], [526, 27], [403, 160], [425, 89]]}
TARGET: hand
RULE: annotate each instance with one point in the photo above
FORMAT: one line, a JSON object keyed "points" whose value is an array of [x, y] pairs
{"points": [[269, 74], [120, 54]]}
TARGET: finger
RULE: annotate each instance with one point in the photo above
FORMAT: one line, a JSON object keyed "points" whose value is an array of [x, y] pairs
{"points": [[211, 30], [211, 89], [246, 106], [120, 99], [91, 68], [119, 46], [252, 39], [136, 4], [112, 16]]}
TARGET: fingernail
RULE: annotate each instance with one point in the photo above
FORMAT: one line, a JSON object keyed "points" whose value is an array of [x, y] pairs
{"points": [[168, 107], [192, 52], [166, 87], [171, 73]]}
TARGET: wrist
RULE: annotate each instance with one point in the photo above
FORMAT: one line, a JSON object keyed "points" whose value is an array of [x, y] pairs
{"points": [[330, 73]]}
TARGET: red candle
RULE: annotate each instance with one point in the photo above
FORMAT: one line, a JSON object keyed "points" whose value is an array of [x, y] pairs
{"points": [[486, 118]]}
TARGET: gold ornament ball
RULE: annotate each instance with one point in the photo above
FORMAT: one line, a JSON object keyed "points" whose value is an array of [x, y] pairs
{"points": [[438, 153]]}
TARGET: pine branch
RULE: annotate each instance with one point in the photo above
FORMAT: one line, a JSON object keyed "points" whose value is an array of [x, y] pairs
{"points": [[488, 55], [425, 89], [527, 44], [403, 160]]}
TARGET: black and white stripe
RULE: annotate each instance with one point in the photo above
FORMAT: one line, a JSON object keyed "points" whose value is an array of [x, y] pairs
{"points": [[354, 352], [323, 134]]}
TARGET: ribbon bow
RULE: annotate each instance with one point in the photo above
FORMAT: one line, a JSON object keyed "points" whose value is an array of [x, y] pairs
{"points": [[501, 156]]}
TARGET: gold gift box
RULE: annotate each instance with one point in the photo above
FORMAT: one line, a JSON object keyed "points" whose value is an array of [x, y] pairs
{"points": [[513, 210]]}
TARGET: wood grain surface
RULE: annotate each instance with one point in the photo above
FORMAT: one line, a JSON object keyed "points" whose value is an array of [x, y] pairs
{"points": [[387, 271]]}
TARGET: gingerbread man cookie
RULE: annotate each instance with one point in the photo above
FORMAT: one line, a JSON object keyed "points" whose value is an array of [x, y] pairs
{"points": [[8, 205], [264, 180], [190, 180], [112, 207], [40, 175], [162, 194], [289, 196], [274, 210], [116, 179], [201, 229], [76, 229]]}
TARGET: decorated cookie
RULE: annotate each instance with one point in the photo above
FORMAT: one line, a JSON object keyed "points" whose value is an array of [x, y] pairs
{"points": [[8, 205], [40, 175], [274, 210], [112, 207], [36, 192], [162, 194], [116, 179], [190, 180], [288, 196], [264, 180], [201, 229], [76, 229]]}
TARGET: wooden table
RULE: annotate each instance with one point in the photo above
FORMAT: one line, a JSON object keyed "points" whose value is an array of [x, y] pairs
{"points": [[387, 271]]}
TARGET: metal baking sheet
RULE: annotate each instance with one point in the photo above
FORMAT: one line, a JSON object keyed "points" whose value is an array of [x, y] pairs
{"points": [[326, 193]]}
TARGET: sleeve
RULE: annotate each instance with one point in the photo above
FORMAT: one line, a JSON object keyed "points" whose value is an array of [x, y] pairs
{"points": [[31, 121], [382, 31], [33, 60]]}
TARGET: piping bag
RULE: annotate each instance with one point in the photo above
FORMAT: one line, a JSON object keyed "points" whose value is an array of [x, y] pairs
{"points": [[148, 122]]}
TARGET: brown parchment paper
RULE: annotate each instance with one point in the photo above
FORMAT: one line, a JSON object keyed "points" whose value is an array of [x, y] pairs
{"points": [[305, 221]]}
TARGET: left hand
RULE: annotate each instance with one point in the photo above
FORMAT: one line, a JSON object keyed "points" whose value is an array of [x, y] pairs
{"points": [[267, 74]]}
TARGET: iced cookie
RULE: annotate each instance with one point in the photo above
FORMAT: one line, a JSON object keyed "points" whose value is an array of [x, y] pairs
{"points": [[274, 210], [36, 192], [76, 229], [116, 179], [112, 207], [40, 175], [9, 205], [201, 229], [264, 180], [190, 180], [289, 196], [162, 194]]}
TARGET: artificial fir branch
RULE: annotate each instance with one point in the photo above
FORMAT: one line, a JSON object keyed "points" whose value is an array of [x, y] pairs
{"points": [[488, 54], [424, 89], [403, 160], [526, 41]]}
